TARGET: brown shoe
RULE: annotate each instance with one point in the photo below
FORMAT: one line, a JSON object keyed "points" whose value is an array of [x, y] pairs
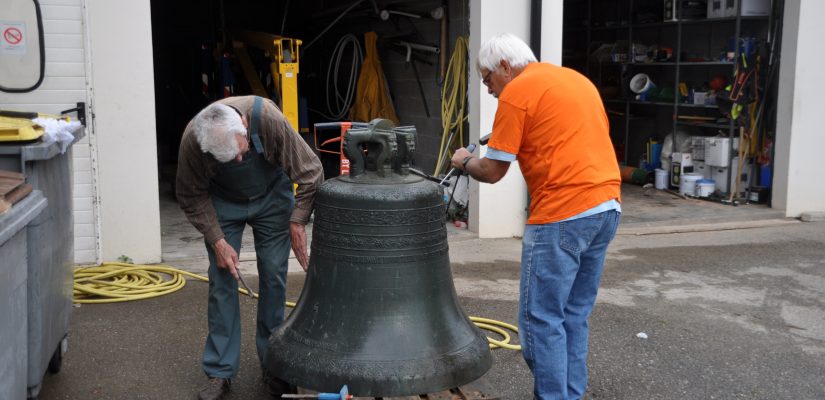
{"points": [[214, 389], [277, 386]]}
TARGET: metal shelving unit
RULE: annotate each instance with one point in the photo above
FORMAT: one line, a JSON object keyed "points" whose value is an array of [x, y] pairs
{"points": [[667, 24], [626, 107]]}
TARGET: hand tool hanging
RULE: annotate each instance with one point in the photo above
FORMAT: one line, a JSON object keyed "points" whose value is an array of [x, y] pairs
{"points": [[411, 61], [744, 89]]}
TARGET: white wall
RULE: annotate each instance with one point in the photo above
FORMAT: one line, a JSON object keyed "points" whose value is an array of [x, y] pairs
{"points": [[63, 86], [797, 184], [496, 210], [552, 21], [122, 85], [499, 210]]}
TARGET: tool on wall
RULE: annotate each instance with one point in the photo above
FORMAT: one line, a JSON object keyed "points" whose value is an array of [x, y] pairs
{"points": [[410, 61]]}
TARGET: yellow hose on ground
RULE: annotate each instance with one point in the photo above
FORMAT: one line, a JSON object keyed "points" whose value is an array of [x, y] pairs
{"points": [[114, 282], [453, 103]]}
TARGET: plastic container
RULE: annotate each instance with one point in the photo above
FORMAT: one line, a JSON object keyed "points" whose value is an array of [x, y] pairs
{"points": [[687, 186], [705, 187], [13, 281], [50, 255], [661, 178], [641, 83], [766, 176], [717, 151], [633, 175]]}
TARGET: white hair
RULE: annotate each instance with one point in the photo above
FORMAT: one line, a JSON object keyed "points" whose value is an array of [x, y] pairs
{"points": [[504, 47], [215, 128]]}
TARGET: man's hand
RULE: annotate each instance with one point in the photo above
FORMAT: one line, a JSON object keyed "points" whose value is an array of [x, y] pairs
{"points": [[483, 169], [227, 257], [299, 243], [458, 158]]}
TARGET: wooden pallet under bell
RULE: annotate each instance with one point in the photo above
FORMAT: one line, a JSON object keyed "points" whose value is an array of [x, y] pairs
{"points": [[477, 390]]}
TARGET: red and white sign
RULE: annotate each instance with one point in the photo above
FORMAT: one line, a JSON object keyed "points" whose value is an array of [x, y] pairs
{"points": [[12, 37], [344, 165]]}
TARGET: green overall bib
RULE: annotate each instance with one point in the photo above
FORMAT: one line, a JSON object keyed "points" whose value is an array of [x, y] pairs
{"points": [[256, 193]]}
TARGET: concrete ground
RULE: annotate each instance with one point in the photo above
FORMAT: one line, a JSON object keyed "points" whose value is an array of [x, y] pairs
{"points": [[732, 300]]}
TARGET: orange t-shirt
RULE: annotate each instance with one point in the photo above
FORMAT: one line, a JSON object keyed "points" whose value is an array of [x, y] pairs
{"points": [[553, 120]]}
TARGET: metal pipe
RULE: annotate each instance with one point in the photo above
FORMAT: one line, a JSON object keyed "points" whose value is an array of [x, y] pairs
{"points": [[444, 44], [385, 14], [338, 18], [419, 46], [283, 21]]}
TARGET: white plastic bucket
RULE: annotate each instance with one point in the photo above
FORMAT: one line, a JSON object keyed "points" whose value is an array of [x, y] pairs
{"points": [[688, 185], [661, 178], [641, 83], [705, 187]]}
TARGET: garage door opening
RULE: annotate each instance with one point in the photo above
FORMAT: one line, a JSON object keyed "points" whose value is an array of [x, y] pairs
{"points": [[207, 50]]}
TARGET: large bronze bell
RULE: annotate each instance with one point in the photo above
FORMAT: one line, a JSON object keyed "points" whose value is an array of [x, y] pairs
{"points": [[378, 311]]}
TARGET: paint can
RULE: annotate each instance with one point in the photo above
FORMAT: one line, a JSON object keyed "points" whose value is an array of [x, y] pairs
{"points": [[759, 194], [705, 187], [661, 178], [687, 186]]}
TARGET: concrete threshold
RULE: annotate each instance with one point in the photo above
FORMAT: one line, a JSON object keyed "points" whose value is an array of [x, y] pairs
{"points": [[706, 227]]}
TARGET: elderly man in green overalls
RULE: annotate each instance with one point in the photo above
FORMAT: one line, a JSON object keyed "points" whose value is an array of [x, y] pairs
{"points": [[238, 160]]}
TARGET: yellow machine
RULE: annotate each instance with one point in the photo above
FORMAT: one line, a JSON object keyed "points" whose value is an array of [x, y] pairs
{"points": [[285, 56], [288, 56]]}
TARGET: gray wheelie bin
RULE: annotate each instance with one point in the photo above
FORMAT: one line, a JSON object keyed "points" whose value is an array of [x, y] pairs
{"points": [[13, 278], [50, 246]]}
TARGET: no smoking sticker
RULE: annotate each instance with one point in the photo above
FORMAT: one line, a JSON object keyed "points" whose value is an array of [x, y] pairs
{"points": [[12, 37]]}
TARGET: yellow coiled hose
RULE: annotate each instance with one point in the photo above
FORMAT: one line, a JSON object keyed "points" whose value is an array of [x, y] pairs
{"points": [[115, 282], [453, 105]]}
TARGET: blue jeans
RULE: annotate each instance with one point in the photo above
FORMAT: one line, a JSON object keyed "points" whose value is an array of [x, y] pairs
{"points": [[561, 266]]}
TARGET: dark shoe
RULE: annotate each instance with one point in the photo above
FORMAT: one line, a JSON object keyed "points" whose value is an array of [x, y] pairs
{"points": [[214, 389], [277, 386]]}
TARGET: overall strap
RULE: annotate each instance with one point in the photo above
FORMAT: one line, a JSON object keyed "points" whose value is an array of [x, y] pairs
{"points": [[255, 125]]}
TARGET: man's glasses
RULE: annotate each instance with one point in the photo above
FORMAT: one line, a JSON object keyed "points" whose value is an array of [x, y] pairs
{"points": [[486, 79]]}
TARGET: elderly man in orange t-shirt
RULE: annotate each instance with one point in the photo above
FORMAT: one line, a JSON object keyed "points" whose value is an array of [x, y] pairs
{"points": [[551, 119]]}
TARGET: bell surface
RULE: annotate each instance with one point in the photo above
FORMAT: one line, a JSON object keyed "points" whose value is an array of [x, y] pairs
{"points": [[378, 311]]}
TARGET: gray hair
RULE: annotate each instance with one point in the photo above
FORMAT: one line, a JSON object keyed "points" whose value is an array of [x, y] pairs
{"points": [[504, 47], [215, 128]]}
